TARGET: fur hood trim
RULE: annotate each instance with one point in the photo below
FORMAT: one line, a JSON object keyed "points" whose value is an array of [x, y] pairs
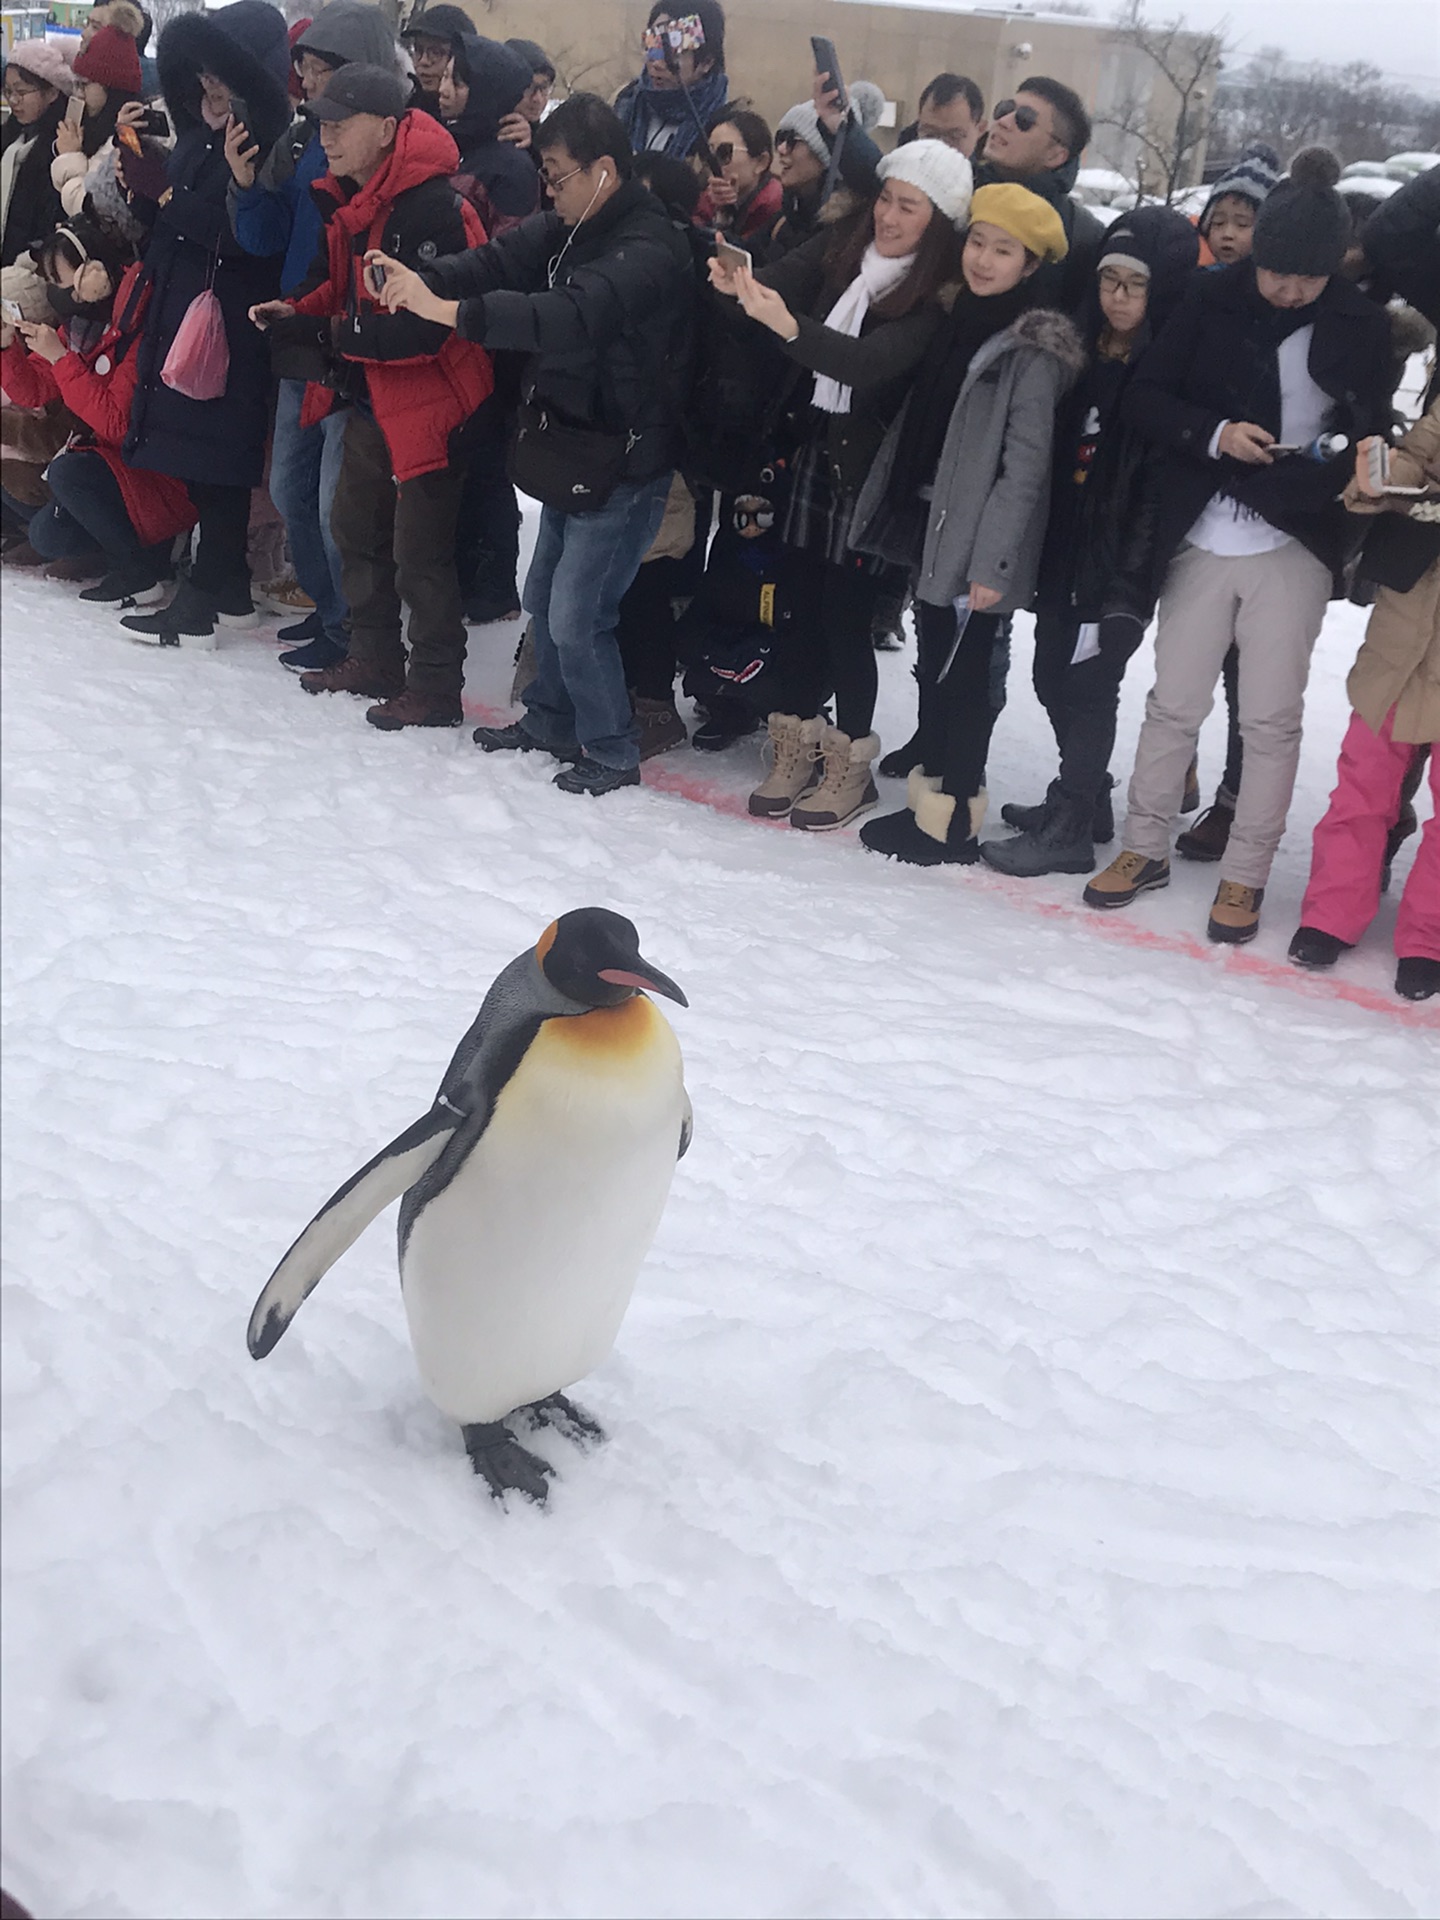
{"points": [[244, 45], [1051, 332]]}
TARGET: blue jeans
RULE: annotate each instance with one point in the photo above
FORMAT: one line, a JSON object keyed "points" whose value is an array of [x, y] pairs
{"points": [[304, 472], [582, 564]]}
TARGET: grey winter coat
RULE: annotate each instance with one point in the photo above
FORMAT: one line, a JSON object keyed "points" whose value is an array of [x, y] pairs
{"points": [[992, 486]]}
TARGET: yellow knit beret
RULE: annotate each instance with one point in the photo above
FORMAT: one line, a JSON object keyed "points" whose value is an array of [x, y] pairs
{"points": [[1032, 221]]}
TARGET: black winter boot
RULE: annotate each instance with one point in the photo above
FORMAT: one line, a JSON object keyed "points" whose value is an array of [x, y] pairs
{"points": [[1417, 978], [901, 762], [1103, 831], [1062, 843], [1315, 949], [1027, 819]]}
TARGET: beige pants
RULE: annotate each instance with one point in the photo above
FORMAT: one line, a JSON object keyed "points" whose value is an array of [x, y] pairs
{"points": [[1271, 605]]}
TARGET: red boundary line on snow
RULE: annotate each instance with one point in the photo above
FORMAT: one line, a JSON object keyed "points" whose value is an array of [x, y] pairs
{"points": [[1236, 960]]}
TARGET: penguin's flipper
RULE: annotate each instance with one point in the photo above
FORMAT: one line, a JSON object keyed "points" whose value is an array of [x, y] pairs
{"points": [[687, 1129], [343, 1218]]}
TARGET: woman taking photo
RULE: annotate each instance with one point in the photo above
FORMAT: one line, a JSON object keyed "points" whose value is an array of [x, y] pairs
{"points": [[859, 310], [108, 68], [744, 198], [959, 493]]}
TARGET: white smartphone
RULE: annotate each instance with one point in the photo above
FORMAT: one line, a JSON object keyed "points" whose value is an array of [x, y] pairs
{"points": [[11, 310], [1377, 471], [75, 111], [733, 256]]}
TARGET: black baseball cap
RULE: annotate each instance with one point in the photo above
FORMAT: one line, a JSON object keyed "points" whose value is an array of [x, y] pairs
{"points": [[360, 89]]}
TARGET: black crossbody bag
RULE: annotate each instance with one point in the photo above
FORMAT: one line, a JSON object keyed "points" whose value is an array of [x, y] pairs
{"points": [[572, 469]]}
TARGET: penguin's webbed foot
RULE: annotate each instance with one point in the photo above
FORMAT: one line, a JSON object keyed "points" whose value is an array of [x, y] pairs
{"points": [[504, 1465], [577, 1426]]}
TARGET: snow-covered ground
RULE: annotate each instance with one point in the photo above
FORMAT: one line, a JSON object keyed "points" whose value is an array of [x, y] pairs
{"points": [[1017, 1500]]}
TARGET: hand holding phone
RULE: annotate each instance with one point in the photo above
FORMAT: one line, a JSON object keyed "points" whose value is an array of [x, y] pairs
{"points": [[75, 109], [827, 75], [375, 276]]}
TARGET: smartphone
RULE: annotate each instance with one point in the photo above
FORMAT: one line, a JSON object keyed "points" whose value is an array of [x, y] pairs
{"points": [[1377, 463], [75, 109], [156, 124], [375, 276], [827, 62], [239, 112], [732, 255], [11, 310]]}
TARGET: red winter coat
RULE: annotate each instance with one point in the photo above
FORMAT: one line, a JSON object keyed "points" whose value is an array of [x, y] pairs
{"points": [[424, 381], [97, 387]]}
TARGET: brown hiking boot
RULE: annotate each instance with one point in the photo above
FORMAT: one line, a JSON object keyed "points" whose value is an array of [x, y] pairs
{"points": [[1127, 875], [353, 676], [413, 709], [1210, 835], [1235, 916], [660, 727]]}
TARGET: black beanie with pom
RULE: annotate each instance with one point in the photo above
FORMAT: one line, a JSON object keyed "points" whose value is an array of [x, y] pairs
{"points": [[1304, 225]]}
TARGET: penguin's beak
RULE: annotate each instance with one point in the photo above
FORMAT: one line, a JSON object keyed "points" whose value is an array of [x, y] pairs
{"points": [[645, 979]]}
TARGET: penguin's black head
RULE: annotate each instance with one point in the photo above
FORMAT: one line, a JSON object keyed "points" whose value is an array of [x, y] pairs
{"points": [[593, 956]]}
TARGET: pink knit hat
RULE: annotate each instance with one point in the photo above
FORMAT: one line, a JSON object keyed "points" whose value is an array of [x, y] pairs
{"points": [[43, 62]]}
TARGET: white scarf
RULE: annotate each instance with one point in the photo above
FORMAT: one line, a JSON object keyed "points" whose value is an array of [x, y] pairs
{"points": [[876, 278]]}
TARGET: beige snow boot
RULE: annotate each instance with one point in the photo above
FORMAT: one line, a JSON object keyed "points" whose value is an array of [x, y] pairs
{"points": [[847, 789], [795, 751]]}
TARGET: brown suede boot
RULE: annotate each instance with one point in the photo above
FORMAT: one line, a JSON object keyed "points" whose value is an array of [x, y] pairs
{"points": [[847, 789], [1210, 835], [660, 727], [415, 709], [1235, 916], [354, 676], [795, 747]]}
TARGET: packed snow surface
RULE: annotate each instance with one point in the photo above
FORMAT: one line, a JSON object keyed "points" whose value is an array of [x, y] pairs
{"points": [[1017, 1494]]}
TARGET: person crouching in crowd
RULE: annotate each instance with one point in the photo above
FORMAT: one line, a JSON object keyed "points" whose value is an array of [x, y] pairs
{"points": [[959, 494], [1089, 621], [413, 390], [217, 446], [859, 309], [100, 509], [664, 109], [1394, 688], [744, 198], [1275, 350], [38, 86], [599, 295], [273, 210]]}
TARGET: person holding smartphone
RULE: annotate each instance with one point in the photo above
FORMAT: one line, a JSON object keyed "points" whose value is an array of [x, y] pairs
{"points": [[84, 167], [859, 309], [682, 84]]}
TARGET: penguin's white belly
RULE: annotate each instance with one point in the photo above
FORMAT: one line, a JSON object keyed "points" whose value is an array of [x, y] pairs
{"points": [[517, 1276]]}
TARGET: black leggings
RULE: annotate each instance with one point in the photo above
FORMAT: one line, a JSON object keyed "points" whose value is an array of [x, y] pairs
{"points": [[1082, 701], [958, 713], [221, 564], [830, 649]]}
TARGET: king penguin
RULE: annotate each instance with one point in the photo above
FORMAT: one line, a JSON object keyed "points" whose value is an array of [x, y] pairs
{"points": [[532, 1191]]}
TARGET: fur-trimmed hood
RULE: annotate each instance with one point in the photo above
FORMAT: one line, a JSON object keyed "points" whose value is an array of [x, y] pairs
{"points": [[1040, 328], [245, 45]]}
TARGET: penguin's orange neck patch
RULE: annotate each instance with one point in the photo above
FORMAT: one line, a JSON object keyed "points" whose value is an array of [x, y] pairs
{"points": [[546, 941], [618, 1031]]}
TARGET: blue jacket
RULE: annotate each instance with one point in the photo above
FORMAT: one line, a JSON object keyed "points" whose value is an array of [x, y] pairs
{"points": [[284, 218]]}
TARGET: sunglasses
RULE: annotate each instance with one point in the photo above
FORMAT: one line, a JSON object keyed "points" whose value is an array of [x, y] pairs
{"points": [[784, 140], [724, 152], [1024, 117]]}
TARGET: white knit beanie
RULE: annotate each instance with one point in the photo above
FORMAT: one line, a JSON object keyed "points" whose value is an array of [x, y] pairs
{"points": [[43, 62], [937, 170]]}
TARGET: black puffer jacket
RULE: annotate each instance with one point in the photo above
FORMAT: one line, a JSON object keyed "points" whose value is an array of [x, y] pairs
{"points": [[34, 208], [609, 343], [1402, 243], [497, 177], [1216, 360], [192, 245]]}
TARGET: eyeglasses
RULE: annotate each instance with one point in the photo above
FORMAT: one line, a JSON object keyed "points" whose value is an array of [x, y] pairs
{"points": [[1113, 282], [21, 92], [552, 185], [1024, 117]]}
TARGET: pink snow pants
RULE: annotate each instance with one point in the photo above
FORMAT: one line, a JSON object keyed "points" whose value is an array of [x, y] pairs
{"points": [[1349, 848]]}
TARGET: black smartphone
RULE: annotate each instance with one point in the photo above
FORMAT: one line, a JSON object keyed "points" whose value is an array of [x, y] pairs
{"points": [[240, 111], [827, 63], [375, 276], [155, 123]]}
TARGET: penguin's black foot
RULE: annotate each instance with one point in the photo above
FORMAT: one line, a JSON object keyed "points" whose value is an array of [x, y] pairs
{"points": [[504, 1465], [573, 1422]]}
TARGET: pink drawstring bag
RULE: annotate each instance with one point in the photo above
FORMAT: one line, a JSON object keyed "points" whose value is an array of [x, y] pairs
{"points": [[198, 363]]}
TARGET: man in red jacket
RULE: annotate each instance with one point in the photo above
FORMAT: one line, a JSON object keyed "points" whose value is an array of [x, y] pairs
{"points": [[412, 388]]}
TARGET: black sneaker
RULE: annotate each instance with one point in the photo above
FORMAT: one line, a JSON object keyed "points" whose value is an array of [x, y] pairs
{"points": [[715, 735], [517, 738], [485, 609], [322, 652], [1417, 978], [590, 777], [127, 588], [1315, 949], [191, 618], [312, 627]]}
